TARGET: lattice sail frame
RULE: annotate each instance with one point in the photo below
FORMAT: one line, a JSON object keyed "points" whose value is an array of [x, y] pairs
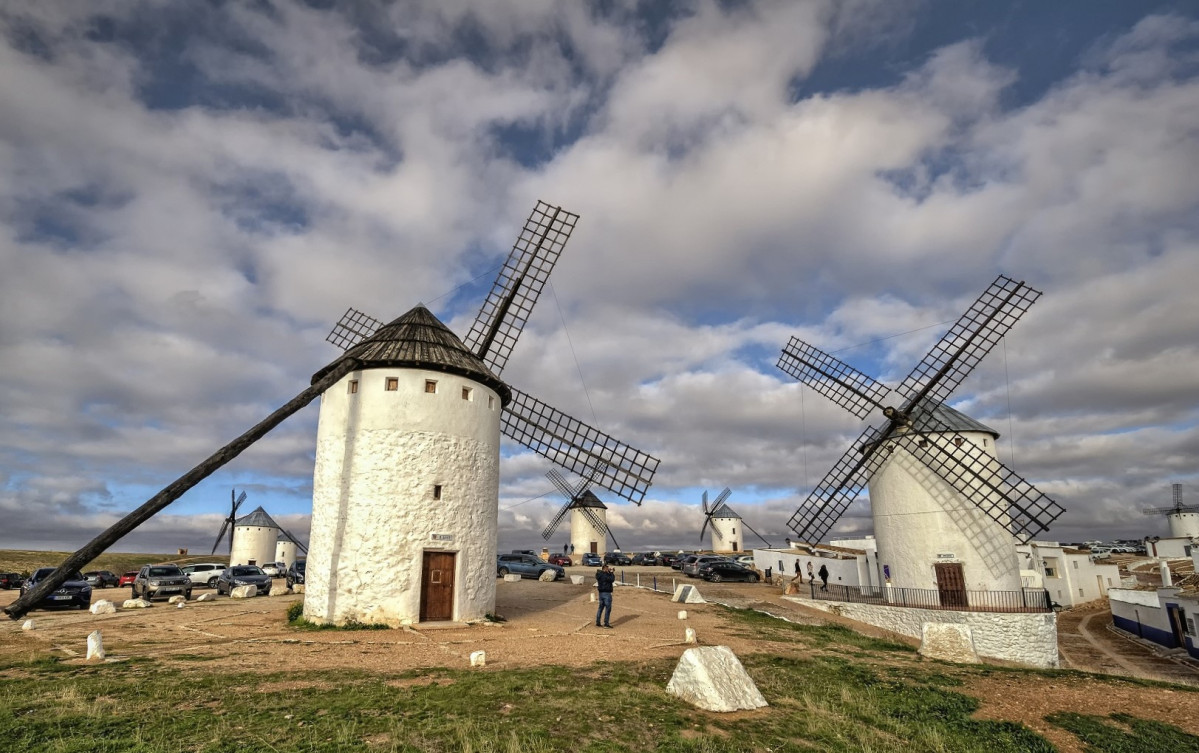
{"points": [[709, 509], [518, 285], [931, 382]]}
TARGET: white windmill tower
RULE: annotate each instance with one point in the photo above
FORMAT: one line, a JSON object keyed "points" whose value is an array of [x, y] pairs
{"points": [[254, 538], [728, 528], [408, 451], [405, 488], [1184, 519], [288, 549], [588, 518], [946, 512]]}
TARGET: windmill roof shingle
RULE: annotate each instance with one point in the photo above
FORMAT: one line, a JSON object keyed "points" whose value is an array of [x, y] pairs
{"points": [[724, 511], [418, 339], [944, 418], [257, 518], [587, 499]]}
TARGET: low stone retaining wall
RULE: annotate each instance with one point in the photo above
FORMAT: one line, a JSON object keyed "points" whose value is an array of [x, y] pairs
{"points": [[1026, 638]]}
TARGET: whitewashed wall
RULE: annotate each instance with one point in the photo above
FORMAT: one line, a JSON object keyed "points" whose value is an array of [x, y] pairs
{"points": [[1029, 639], [840, 572], [582, 533], [253, 544], [285, 552], [730, 532]]}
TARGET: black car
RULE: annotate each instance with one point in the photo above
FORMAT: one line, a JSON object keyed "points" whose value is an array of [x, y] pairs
{"points": [[295, 573], [10, 580], [645, 558], [74, 592], [722, 571], [102, 578], [667, 560], [243, 575], [616, 558]]}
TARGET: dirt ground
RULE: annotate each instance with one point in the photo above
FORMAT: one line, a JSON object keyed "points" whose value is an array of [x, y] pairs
{"points": [[553, 623]]}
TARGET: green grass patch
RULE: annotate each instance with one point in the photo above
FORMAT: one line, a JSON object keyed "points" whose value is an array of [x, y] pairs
{"points": [[816, 636], [295, 619], [1127, 734]]}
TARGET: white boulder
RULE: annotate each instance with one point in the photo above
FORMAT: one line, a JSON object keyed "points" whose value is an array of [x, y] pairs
{"points": [[279, 589], [593, 597], [297, 588], [177, 599], [687, 594], [135, 604], [689, 636], [27, 625], [103, 606], [578, 580], [244, 592], [511, 578], [95, 646], [948, 641], [682, 614], [478, 658], [206, 597], [547, 576], [713, 679]]}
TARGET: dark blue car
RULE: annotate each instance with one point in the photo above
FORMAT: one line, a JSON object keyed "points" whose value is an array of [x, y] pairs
{"points": [[74, 592], [592, 560]]}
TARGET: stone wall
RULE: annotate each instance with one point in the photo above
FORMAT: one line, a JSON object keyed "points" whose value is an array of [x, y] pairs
{"points": [[1024, 638]]}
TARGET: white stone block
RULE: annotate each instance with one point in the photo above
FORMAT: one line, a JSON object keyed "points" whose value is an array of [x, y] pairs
{"points": [[135, 604], [578, 580], [689, 636], [948, 641], [478, 658], [547, 576], [27, 625], [297, 588], [511, 578], [686, 593], [95, 646], [682, 614], [593, 597], [713, 679], [279, 589], [177, 599], [103, 606], [179, 605], [206, 597], [244, 592]]}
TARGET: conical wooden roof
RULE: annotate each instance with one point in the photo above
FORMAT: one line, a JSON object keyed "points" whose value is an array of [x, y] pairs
{"points": [[587, 499], [257, 518], [419, 340], [724, 511]]}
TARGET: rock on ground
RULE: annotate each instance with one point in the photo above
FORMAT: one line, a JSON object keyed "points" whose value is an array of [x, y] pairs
{"points": [[206, 597], [478, 658], [103, 606], [511, 578], [687, 594], [95, 645], [135, 604], [713, 679], [244, 592], [547, 576], [177, 599], [948, 641], [27, 625], [689, 636], [578, 580]]}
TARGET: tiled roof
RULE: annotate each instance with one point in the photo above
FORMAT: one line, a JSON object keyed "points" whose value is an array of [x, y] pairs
{"points": [[419, 340], [724, 511], [587, 499], [945, 419], [257, 518]]}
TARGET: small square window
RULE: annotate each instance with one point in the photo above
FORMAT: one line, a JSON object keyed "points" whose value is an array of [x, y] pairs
{"points": [[1080, 593], [431, 386], [957, 441], [393, 384], [467, 393], [922, 443], [353, 386], [437, 491], [491, 402], [1075, 564]]}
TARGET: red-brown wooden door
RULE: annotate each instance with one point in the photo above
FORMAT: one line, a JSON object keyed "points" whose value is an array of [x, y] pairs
{"points": [[951, 582], [437, 587]]}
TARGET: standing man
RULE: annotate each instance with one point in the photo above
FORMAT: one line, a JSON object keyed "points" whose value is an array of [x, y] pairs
{"points": [[823, 578], [811, 575], [798, 574], [604, 578]]}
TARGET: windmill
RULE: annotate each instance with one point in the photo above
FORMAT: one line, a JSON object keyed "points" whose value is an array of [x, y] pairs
{"points": [[724, 521], [939, 496], [588, 516], [414, 339], [227, 525], [1184, 519]]}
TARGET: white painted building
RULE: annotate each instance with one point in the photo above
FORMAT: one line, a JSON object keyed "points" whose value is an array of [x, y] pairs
{"points": [[728, 534], [931, 536], [846, 566], [1069, 575], [285, 550], [254, 538], [406, 482], [1184, 524], [584, 535], [1180, 547], [1166, 616]]}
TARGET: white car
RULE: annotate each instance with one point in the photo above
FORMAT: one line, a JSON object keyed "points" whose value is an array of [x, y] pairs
{"points": [[203, 573], [275, 569]]}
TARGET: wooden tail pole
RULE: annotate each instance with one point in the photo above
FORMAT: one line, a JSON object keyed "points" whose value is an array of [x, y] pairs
{"points": [[96, 546]]}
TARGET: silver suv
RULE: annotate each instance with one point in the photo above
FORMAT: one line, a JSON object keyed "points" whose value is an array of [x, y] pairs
{"points": [[203, 573], [161, 580]]}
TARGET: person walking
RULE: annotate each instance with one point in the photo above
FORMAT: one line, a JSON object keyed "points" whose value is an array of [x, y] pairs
{"points": [[811, 576], [604, 578], [823, 578], [798, 572]]}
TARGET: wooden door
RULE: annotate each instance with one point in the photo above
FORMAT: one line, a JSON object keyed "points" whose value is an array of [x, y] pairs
{"points": [[951, 583], [437, 587], [595, 547]]}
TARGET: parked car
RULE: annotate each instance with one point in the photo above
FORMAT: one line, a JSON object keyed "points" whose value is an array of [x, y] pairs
{"points": [[590, 559], [682, 560], [645, 558], [127, 578], [10, 580], [161, 580], [203, 573], [704, 565], [526, 566], [691, 569], [744, 559], [561, 560], [617, 558], [295, 573], [722, 571], [275, 569], [102, 578], [74, 592], [243, 575], [667, 559]]}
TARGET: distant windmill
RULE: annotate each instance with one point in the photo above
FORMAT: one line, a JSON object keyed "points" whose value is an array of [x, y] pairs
{"points": [[724, 522], [588, 524], [229, 521], [934, 478], [1184, 519]]}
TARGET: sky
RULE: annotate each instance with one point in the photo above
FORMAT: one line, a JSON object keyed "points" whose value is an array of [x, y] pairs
{"points": [[191, 195]]}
